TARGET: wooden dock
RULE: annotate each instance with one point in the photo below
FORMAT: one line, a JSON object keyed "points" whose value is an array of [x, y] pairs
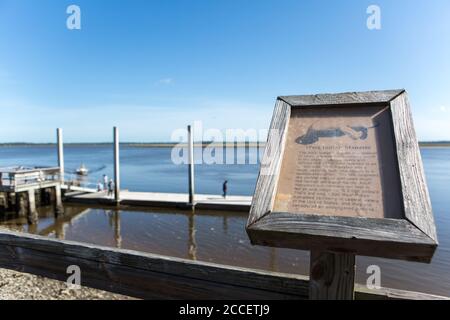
{"points": [[21, 180], [153, 199], [133, 273], [22, 189]]}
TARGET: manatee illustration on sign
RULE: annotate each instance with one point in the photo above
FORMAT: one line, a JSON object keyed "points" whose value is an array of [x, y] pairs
{"points": [[324, 130]]}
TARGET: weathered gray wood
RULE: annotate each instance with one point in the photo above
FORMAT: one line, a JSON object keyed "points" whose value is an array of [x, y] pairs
{"points": [[144, 275], [4, 203], [32, 213], [21, 205], [413, 238], [23, 180], [389, 238], [59, 208], [271, 163], [332, 276], [116, 165], [157, 277], [416, 198], [41, 185], [342, 98]]}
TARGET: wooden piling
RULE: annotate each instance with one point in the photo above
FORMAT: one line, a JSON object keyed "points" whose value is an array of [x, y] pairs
{"points": [[59, 137], [52, 195], [32, 213], [45, 197], [4, 201], [59, 208], [332, 276], [116, 165], [28, 189], [191, 166], [21, 207], [11, 198]]}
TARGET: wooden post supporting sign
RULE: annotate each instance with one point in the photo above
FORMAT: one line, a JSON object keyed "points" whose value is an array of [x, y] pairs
{"points": [[332, 276]]}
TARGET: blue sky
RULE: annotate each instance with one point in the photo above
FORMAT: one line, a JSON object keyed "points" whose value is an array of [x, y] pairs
{"points": [[151, 67]]}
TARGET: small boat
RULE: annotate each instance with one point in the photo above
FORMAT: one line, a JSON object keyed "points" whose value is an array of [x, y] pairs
{"points": [[82, 170]]}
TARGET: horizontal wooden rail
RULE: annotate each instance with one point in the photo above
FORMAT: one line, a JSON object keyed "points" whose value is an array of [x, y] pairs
{"points": [[150, 276], [18, 171], [20, 180]]}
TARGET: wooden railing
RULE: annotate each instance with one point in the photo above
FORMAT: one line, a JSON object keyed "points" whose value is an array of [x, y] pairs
{"points": [[21, 177], [150, 276]]}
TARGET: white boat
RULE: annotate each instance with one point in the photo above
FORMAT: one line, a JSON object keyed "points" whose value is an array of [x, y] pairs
{"points": [[82, 170]]}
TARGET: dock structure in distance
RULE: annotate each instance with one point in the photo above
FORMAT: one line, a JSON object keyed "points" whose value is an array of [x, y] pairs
{"points": [[23, 189]]}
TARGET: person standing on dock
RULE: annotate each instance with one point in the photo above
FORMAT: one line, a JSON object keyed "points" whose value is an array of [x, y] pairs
{"points": [[100, 186], [225, 188], [110, 188], [105, 182]]}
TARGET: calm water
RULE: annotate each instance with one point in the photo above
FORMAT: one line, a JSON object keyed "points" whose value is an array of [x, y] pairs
{"points": [[142, 169], [213, 236]]}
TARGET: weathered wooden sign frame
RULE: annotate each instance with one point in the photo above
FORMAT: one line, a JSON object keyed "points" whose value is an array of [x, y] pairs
{"points": [[412, 238]]}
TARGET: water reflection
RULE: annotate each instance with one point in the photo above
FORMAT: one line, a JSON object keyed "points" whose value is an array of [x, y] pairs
{"points": [[192, 243], [49, 224], [197, 235], [210, 236]]}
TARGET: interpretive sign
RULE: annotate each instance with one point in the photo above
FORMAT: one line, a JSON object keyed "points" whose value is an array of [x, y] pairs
{"points": [[343, 173], [333, 165]]}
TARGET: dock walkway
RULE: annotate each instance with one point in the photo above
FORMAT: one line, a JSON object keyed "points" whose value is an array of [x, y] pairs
{"points": [[153, 199]]}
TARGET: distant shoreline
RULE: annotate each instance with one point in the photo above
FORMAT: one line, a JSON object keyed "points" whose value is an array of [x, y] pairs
{"points": [[141, 145], [443, 144]]}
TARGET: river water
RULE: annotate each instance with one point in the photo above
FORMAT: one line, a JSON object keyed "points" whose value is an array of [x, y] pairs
{"points": [[207, 235]]}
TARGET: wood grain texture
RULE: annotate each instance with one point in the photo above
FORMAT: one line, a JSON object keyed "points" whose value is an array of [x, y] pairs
{"points": [[144, 275], [416, 198], [150, 276], [342, 98], [413, 238], [332, 276], [271, 163], [389, 238]]}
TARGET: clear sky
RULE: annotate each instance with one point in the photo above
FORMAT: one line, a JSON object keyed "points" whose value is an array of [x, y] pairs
{"points": [[151, 67]]}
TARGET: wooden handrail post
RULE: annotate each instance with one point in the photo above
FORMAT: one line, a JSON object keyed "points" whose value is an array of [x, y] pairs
{"points": [[332, 276]]}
